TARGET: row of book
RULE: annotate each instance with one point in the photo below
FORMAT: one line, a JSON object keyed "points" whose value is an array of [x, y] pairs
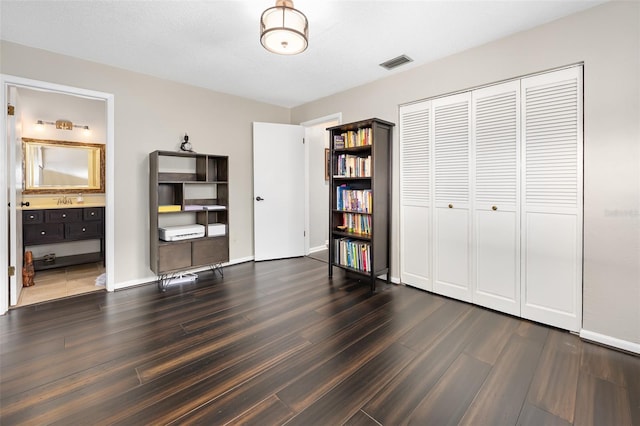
{"points": [[353, 254], [355, 200], [356, 223], [352, 138], [353, 166]]}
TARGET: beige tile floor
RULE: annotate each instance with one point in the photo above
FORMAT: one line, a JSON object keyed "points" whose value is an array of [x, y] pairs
{"points": [[62, 282]]}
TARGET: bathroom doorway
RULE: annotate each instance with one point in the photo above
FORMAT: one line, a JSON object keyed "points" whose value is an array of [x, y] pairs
{"points": [[38, 106]]}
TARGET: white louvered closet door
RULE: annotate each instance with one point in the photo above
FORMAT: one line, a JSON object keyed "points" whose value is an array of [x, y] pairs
{"points": [[415, 195], [451, 136], [496, 221], [552, 198]]}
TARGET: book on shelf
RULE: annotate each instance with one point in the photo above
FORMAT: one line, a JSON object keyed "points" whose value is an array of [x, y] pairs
{"points": [[353, 254], [356, 200], [356, 223], [338, 142], [353, 166], [353, 138], [169, 208]]}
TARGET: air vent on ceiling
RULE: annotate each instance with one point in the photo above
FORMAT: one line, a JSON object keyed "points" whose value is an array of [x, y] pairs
{"points": [[396, 62]]}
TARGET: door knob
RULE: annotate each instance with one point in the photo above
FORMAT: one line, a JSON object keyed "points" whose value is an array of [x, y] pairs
{"points": [[259, 198], [450, 206], [494, 208]]}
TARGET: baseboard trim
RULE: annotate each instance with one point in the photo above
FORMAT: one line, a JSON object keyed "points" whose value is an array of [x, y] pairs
{"points": [[152, 278], [610, 341], [316, 249]]}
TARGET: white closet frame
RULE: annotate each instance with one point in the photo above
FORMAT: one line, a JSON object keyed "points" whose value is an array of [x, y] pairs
{"points": [[517, 253]]}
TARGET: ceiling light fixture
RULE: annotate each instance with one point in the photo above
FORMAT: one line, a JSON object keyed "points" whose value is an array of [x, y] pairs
{"points": [[283, 29]]}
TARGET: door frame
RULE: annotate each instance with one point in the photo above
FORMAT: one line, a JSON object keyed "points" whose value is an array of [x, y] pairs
{"points": [[9, 80], [307, 124]]}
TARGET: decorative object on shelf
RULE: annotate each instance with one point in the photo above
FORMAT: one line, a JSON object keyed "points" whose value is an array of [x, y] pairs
{"points": [[284, 29], [186, 145], [28, 272]]}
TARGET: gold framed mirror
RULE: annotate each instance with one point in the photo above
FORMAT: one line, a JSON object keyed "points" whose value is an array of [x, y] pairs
{"points": [[62, 167]]}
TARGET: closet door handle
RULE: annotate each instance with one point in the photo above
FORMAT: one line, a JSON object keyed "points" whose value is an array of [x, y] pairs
{"points": [[259, 198], [450, 206], [494, 208]]}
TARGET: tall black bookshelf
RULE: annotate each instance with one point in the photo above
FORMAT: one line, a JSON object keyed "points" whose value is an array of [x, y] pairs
{"points": [[360, 198]]}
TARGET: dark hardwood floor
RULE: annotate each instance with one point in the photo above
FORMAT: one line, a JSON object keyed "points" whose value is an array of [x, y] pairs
{"points": [[278, 343]]}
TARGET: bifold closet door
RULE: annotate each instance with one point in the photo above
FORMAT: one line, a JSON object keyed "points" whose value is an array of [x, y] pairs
{"points": [[496, 221], [415, 195], [552, 192], [452, 219]]}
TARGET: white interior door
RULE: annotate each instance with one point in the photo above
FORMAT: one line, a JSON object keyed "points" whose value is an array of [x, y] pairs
{"points": [[278, 191], [14, 167], [496, 220], [415, 195], [452, 218]]}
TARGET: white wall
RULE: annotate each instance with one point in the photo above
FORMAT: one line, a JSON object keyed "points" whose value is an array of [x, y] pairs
{"points": [[153, 114], [47, 106], [607, 39]]}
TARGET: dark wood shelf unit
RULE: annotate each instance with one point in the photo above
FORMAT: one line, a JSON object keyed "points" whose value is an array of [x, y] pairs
{"points": [[171, 187], [378, 218]]}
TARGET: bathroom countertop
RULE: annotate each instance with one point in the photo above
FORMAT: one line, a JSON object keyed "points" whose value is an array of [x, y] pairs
{"points": [[47, 206]]}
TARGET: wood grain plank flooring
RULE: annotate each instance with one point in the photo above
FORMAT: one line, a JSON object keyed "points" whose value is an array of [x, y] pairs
{"points": [[500, 399], [447, 402], [555, 384], [600, 402], [394, 403], [534, 416], [276, 343]]}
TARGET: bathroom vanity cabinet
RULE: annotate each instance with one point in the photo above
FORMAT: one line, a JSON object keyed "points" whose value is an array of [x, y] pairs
{"points": [[61, 225]]}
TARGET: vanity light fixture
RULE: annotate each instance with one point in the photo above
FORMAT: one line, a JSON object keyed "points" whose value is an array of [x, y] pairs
{"points": [[283, 29], [62, 125]]}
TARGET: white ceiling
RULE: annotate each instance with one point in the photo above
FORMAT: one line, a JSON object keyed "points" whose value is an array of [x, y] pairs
{"points": [[215, 44]]}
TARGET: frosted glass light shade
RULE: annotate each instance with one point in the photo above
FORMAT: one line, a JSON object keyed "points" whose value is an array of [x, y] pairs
{"points": [[283, 29]]}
